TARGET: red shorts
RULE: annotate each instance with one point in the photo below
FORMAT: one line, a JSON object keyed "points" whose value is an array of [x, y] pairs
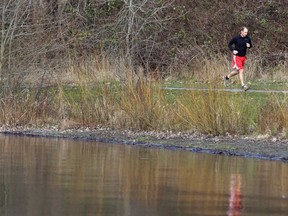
{"points": [[238, 62]]}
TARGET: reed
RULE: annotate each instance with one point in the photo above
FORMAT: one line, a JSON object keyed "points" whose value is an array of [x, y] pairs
{"points": [[12, 104], [134, 103], [144, 105], [215, 112], [23, 106], [273, 116]]}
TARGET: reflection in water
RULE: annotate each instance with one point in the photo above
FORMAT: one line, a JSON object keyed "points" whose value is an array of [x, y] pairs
{"points": [[63, 177], [235, 198]]}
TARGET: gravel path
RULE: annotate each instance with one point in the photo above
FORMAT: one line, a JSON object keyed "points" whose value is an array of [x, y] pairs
{"points": [[227, 90]]}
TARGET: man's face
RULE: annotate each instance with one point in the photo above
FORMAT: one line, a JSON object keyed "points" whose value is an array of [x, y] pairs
{"points": [[244, 32]]}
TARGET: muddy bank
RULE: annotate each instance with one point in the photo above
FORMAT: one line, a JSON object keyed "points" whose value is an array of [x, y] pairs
{"points": [[262, 147]]}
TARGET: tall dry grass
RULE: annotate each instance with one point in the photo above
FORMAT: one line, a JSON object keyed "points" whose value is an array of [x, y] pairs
{"points": [[110, 95], [273, 116], [212, 69], [216, 112]]}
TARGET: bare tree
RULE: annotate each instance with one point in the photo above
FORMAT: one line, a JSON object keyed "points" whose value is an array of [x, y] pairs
{"points": [[142, 23], [10, 20]]}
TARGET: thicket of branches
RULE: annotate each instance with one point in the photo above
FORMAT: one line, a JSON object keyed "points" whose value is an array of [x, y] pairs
{"points": [[148, 33]]}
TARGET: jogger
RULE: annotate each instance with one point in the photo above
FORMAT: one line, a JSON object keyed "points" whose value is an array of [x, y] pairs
{"points": [[238, 46]]}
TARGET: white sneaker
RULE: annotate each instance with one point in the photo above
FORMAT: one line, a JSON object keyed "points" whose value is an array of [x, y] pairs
{"points": [[245, 87]]}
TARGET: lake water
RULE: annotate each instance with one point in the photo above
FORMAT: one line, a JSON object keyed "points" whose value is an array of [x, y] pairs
{"points": [[40, 177]]}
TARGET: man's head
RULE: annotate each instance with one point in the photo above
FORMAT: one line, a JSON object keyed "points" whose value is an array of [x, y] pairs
{"points": [[244, 31]]}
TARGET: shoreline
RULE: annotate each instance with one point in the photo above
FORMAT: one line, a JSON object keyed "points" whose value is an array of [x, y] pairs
{"points": [[261, 147]]}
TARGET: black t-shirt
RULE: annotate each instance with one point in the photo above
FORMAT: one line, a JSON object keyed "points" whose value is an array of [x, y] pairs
{"points": [[239, 43]]}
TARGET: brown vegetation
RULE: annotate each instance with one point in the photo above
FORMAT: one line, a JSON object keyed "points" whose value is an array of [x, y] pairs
{"points": [[38, 36], [91, 43]]}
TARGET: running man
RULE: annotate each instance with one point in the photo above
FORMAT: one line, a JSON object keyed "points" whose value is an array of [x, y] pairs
{"points": [[238, 46]]}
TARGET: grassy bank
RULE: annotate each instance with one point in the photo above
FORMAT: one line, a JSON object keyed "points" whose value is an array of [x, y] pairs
{"points": [[97, 92]]}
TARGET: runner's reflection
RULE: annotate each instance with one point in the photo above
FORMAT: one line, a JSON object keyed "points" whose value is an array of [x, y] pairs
{"points": [[235, 198]]}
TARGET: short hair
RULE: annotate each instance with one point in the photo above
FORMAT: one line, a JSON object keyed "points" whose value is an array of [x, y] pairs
{"points": [[243, 27]]}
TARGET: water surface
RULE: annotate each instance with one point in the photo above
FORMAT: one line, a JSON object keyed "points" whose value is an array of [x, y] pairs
{"points": [[40, 176]]}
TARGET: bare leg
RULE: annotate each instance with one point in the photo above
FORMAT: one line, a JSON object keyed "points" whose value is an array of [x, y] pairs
{"points": [[241, 77], [233, 73]]}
